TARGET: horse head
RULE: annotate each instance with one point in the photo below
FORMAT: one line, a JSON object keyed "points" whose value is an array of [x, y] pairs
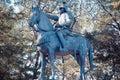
{"points": [[34, 16], [37, 16]]}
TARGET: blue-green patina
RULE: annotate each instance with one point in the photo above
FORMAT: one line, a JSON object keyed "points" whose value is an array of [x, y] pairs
{"points": [[49, 43]]}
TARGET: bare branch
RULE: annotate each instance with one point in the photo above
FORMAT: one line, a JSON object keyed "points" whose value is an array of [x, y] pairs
{"points": [[113, 18], [39, 2], [76, 17], [81, 2], [109, 24], [92, 7]]}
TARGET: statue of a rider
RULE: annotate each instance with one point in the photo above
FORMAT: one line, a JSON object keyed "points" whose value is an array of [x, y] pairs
{"points": [[64, 22]]}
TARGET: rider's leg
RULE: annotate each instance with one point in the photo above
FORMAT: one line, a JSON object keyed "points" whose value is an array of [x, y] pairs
{"points": [[62, 39]]}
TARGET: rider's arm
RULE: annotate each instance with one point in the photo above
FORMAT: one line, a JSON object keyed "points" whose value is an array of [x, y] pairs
{"points": [[53, 17]]}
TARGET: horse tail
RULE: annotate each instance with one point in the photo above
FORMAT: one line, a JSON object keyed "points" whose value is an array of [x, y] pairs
{"points": [[90, 56]]}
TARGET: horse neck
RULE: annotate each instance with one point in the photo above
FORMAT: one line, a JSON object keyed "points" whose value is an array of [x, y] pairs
{"points": [[44, 22]]}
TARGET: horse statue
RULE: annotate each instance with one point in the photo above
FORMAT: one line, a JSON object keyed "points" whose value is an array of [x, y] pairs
{"points": [[79, 46]]}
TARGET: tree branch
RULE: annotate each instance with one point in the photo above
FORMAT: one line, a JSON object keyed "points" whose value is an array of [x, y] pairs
{"points": [[113, 18]]}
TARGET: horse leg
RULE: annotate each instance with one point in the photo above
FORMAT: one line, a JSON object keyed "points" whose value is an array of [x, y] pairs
{"points": [[82, 65], [51, 55], [78, 59], [42, 69], [90, 58]]}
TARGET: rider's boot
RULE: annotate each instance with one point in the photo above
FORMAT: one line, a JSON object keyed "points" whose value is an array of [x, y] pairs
{"points": [[64, 47]]}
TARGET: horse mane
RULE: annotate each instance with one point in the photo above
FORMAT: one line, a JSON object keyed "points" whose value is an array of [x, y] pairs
{"points": [[45, 24]]}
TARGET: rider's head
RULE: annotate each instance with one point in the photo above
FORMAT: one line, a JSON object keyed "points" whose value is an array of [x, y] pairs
{"points": [[63, 8]]}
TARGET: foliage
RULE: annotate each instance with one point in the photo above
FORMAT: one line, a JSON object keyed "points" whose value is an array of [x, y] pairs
{"points": [[98, 20]]}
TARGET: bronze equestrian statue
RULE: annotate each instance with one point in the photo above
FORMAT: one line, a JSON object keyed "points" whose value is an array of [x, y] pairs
{"points": [[49, 43]]}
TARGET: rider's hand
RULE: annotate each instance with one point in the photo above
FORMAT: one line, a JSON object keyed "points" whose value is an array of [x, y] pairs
{"points": [[58, 25]]}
